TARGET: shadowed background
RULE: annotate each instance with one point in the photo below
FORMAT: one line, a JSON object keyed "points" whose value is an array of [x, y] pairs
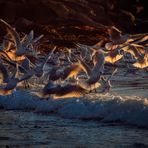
{"points": [[64, 22]]}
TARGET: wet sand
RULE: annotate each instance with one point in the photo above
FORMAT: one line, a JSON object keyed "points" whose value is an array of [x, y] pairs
{"points": [[31, 130]]}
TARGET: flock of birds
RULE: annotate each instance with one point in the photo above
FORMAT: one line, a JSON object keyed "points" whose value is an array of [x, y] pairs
{"points": [[68, 73]]}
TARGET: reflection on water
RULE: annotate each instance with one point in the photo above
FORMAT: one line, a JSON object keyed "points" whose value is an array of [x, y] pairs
{"points": [[31, 130]]}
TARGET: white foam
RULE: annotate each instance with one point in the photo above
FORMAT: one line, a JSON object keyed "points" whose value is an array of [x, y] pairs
{"points": [[106, 108]]}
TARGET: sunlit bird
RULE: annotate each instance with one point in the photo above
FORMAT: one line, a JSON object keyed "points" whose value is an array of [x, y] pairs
{"points": [[113, 55], [21, 47], [92, 82], [39, 69], [10, 81], [71, 71], [58, 91], [142, 61], [133, 50], [115, 35]]}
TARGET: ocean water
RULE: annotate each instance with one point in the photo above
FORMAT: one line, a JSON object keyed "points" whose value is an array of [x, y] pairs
{"points": [[132, 110], [118, 119], [34, 130]]}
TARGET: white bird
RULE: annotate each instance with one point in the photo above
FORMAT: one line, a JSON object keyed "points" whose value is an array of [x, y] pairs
{"points": [[57, 91], [11, 81], [21, 47], [92, 82]]}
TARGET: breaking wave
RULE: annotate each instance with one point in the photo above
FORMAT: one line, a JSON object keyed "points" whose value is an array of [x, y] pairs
{"points": [[102, 107]]}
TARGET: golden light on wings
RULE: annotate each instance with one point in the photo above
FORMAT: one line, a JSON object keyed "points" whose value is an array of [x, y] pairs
{"points": [[141, 65], [14, 57], [75, 94], [114, 59], [5, 92]]}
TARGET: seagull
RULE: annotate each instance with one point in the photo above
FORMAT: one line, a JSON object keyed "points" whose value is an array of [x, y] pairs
{"points": [[110, 46], [113, 55], [70, 91], [57, 91], [134, 51], [115, 35], [106, 85], [16, 39], [93, 74], [28, 72], [49, 89], [39, 69], [85, 67], [71, 71], [142, 61], [55, 73], [92, 82], [5, 57], [11, 81], [24, 68], [21, 48], [7, 42]]}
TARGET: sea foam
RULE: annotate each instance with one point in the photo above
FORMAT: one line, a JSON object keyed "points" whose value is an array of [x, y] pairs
{"points": [[103, 107]]}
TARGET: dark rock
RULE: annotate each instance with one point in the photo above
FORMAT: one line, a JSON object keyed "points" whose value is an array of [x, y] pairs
{"points": [[65, 22]]}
